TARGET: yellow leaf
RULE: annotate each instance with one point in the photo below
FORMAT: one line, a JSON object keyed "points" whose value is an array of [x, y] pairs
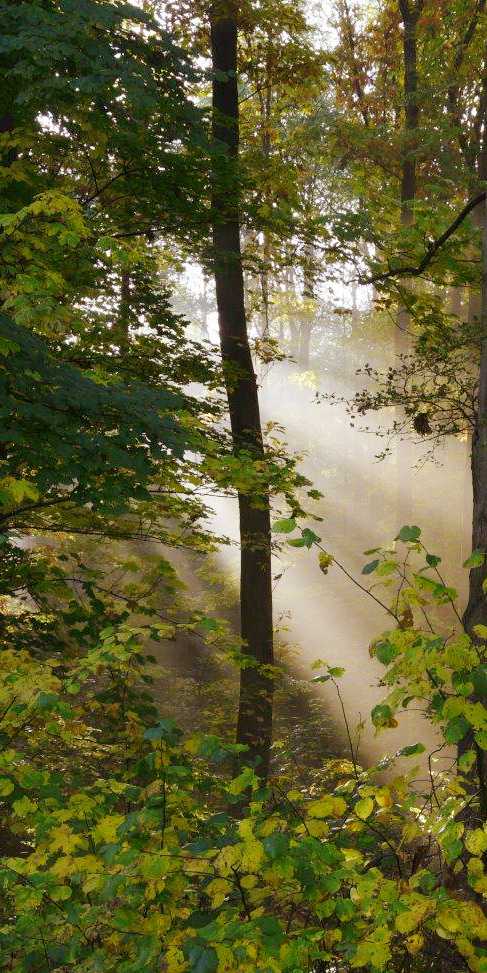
{"points": [[327, 807], [106, 829], [252, 855], [318, 828], [383, 797], [476, 841], [414, 943], [227, 858], [364, 808], [63, 839]]}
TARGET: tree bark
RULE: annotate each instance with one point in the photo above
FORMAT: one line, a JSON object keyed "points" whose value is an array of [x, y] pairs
{"points": [[254, 725], [476, 610], [410, 13]]}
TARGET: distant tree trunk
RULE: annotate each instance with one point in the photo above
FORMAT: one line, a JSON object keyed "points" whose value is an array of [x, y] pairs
{"points": [[254, 727], [455, 301], [204, 309], [123, 320], [410, 13], [309, 296]]}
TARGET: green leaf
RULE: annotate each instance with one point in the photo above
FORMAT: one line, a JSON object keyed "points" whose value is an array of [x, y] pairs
{"points": [[467, 760], [476, 559], [411, 751], [297, 542], [370, 567], [386, 652], [381, 715], [478, 677], [433, 560], [456, 729], [284, 526], [310, 537], [276, 845], [409, 534], [202, 959]]}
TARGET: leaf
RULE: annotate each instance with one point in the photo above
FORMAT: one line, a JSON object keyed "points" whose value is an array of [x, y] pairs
{"points": [[284, 526], [276, 845], [433, 560], [476, 559], [385, 652], [411, 751], [476, 842], [467, 760], [297, 542], [106, 829], [324, 561], [480, 631], [370, 567], [244, 780], [202, 959], [6, 786], [310, 537], [327, 807], [409, 534], [381, 715], [363, 808], [456, 729]]}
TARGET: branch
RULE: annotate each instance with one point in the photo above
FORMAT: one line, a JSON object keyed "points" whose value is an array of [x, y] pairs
{"points": [[433, 248], [34, 506]]}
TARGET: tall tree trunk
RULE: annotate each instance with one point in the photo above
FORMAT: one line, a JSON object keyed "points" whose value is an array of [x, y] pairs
{"points": [[476, 610], [254, 726], [410, 13]]}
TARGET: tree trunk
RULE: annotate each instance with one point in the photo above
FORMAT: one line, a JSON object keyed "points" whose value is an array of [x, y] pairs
{"points": [[476, 610], [455, 301], [309, 296], [410, 12], [254, 726]]}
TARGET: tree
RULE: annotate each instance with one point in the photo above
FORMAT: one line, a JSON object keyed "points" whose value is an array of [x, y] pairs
{"points": [[254, 728]]}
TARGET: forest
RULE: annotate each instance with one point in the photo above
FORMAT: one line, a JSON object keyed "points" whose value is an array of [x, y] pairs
{"points": [[243, 486]]}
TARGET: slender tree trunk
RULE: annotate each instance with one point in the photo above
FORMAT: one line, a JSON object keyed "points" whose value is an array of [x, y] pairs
{"points": [[410, 13], [204, 309], [254, 726], [476, 610], [455, 301], [308, 295], [123, 321]]}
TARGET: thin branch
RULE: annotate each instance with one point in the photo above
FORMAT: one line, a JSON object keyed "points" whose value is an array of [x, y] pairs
{"points": [[433, 248]]}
